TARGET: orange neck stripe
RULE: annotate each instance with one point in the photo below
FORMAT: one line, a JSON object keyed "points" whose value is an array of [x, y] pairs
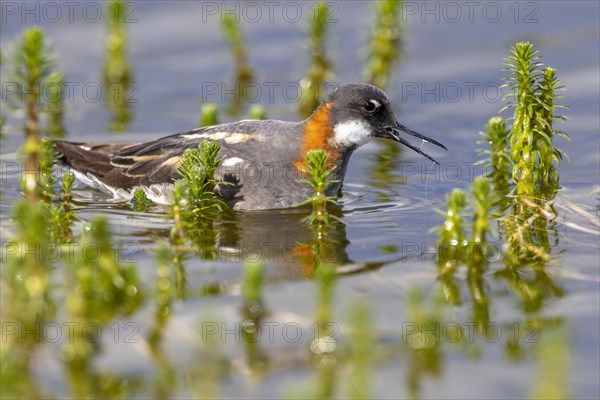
{"points": [[317, 135]]}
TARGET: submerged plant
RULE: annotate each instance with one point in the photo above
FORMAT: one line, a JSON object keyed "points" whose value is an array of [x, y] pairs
{"points": [[318, 178], [253, 311], [235, 38], [257, 111], [324, 344], [32, 67], [253, 282], [165, 289], [362, 350], [498, 157], [177, 235], [103, 288], [141, 202], [67, 193], [533, 157], [455, 250], [420, 338], [478, 251], [452, 241], [533, 94], [209, 115], [526, 219], [45, 181], [195, 202], [312, 85], [2, 116], [325, 277], [320, 219], [55, 107], [482, 208], [197, 171], [26, 297], [117, 74], [243, 73], [58, 207], [553, 356], [384, 51]]}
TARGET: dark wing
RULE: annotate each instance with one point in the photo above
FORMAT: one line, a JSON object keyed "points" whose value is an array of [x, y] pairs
{"points": [[152, 162], [128, 165]]}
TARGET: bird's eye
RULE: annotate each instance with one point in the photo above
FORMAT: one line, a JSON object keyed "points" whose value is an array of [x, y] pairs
{"points": [[371, 106]]}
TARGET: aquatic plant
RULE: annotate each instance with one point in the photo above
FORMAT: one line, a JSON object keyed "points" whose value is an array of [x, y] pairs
{"points": [[2, 116], [419, 337], [553, 357], [209, 115], [312, 86], [233, 34], [455, 250], [195, 203], [26, 298], [103, 288], [257, 111], [324, 344], [141, 202], [533, 94], [197, 171], [385, 49], [533, 157], [66, 194], [118, 73], [54, 106], [243, 73], [497, 162], [165, 289], [253, 311], [482, 209], [452, 243], [318, 178], [526, 212], [362, 346], [32, 68], [320, 220], [177, 236], [46, 160]]}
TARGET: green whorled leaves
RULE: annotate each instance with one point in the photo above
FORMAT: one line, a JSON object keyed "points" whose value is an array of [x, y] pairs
{"points": [[385, 50], [209, 115], [38, 89], [39, 85], [532, 96], [497, 155], [198, 183], [318, 179], [117, 74], [140, 201], [452, 239], [59, 215], [454, 248], [195, 204], [46, 160], [319, 70]]}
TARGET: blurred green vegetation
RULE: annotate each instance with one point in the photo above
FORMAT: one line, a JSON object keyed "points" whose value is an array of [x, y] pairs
{"points": [[101, 289], [312, 86], [117, 74]]}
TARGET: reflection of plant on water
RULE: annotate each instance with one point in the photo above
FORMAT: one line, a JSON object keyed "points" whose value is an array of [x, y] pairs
{"points": [[102, 290]]}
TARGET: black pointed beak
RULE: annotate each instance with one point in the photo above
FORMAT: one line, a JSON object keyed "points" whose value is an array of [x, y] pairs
{"points": [[394, 133]]}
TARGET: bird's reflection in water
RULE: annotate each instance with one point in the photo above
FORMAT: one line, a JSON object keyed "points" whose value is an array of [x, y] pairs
{"points": [[282, 240]]}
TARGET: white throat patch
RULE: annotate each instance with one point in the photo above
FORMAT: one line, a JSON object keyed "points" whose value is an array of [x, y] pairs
{"points": [[351, 133]]}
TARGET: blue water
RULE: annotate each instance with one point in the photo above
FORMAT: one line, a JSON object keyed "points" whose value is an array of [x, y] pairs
{"points": [[446, 87]]}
